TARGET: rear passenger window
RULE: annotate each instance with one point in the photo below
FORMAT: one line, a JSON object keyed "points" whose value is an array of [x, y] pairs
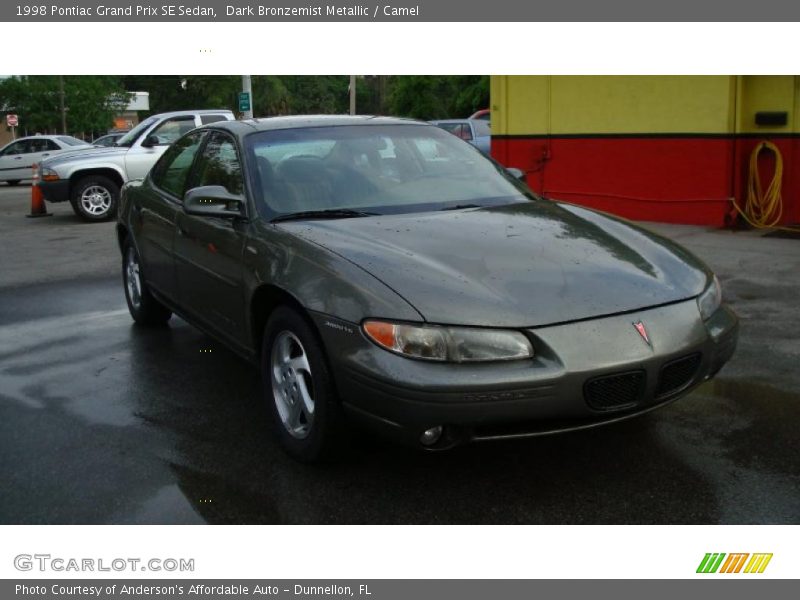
{"points": [[206, 119]]}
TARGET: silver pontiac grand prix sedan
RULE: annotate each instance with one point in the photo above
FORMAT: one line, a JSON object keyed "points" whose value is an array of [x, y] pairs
{"points": [[385, 272]]}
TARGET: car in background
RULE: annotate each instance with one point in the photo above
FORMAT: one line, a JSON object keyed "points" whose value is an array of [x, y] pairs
{"points": [[91, 180], [109, 139], [382, 271], [18, 157], [484, 114], [476, 132]]}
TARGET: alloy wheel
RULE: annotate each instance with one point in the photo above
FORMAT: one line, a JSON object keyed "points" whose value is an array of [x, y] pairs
{"points": [[292, 386], [133, 282], [96, 200]]}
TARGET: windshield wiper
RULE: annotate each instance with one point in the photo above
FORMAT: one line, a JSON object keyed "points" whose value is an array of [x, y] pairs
{"points": [[328, 213]]}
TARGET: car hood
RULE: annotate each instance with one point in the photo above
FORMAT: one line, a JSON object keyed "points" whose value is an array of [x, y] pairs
{"points": [[79, 154], [519, 265]]}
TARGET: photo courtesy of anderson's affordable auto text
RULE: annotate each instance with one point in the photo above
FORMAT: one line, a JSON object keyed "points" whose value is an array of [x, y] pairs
{"points": [[514, 314]]}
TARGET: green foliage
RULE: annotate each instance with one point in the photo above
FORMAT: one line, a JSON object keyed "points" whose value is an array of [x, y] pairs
{"points": [[185, 92], [438, 96], [272, 95], [419, 96], [91, 102]]}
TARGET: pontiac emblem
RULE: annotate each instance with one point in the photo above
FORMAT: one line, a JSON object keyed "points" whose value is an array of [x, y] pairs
{"points": [[642, 332]]}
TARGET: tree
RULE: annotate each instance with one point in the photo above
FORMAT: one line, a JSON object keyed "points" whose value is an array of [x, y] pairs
{"points": [[185, 92], [438, 96], [91, 102]]}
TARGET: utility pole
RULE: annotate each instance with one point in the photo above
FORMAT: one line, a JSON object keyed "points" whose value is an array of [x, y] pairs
{"points": [[352, 94], [247, 88], [61, 105]]}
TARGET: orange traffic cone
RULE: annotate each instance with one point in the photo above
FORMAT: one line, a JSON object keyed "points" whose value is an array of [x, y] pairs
{"points": [[38, 207]]}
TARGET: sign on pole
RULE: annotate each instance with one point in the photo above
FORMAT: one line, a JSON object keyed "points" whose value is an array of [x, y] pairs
{"points": [[12, 121], [244, 101]]}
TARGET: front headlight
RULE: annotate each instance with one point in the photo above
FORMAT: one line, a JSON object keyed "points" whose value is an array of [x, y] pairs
{"points": [[449, 344], [708, 302], [48, 174]]}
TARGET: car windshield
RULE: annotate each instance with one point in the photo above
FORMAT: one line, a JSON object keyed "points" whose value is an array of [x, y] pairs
{"points": [[379, 169], [129, 138], [71, 141]]}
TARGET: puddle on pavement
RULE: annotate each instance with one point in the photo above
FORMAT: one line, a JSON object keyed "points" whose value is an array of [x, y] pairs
{"points": [[742, 390], [218, 501]]}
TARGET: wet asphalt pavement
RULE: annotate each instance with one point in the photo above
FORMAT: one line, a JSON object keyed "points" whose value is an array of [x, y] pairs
{"points": [[102, 421]]}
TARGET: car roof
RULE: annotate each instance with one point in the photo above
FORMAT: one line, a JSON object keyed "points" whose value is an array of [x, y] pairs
{"points": [[248, 126], [439, 121], [202, 111], [41, 137]]}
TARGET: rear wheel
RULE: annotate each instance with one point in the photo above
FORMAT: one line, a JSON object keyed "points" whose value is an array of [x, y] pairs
{"points": [[95, 197], [144, 308], [13, 182], [298, 388]]}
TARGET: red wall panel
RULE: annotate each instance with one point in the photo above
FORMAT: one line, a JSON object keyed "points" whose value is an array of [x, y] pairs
{"points": [[682, 179]]}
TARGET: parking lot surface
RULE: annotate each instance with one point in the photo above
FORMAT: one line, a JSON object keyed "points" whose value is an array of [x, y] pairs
{"points": [[105, 422]]}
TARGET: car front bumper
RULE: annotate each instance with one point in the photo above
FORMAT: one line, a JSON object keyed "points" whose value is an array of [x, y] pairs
{"points": [[584, 374], [55, 191]]}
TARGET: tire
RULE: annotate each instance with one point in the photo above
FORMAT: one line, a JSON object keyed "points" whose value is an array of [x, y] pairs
{"points": [[144, 308], [311, 432], [95, 198], [13, 182]]}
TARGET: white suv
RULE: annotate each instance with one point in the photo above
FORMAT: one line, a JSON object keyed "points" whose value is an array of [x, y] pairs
{"points": [[91, 180]]}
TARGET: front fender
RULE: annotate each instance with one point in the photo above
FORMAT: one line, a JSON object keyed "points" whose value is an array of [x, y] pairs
{"points": [[319, 279]]}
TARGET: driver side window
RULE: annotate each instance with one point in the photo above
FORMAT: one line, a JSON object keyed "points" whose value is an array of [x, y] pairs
{"points": [[172, 129], [19, 147], [172, 170]]}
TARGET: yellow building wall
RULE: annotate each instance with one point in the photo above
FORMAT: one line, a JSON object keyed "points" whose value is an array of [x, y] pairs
{"points": [[674, 104], [766, 93]]}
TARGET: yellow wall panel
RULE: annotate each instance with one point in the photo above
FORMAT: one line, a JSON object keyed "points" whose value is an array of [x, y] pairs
{"points": [[770, 93], [540, 105]]}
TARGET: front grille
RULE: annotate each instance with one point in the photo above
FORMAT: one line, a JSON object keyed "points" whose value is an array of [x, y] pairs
{"points": [[615, 392], [677, 374]]}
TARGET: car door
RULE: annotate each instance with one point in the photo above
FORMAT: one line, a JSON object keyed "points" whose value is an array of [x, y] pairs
{"points": [[40, 148], [144, 153], [209, 250], [13, 161], [154, 210]]}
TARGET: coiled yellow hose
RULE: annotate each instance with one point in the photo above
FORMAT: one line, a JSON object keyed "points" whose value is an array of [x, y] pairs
{"points": [[764, 209]]}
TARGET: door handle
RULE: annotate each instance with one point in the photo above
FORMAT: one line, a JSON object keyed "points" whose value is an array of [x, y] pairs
{"points": [[17, 158], [45, 154]]}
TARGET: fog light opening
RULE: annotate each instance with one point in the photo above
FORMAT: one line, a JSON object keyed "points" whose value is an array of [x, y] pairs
{"points": [[431, 436]]}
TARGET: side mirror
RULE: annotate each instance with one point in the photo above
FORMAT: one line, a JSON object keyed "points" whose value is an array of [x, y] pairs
{"points": [[516, 173], [213, 201], [150, 141]]}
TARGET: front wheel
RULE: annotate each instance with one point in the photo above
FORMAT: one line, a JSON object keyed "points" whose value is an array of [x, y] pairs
{"points": [[95, 198], [144, 308], [298, 388]]}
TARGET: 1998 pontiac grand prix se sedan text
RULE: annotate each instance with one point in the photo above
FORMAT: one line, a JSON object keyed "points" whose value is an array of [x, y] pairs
{"points": [[384, 271]]}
